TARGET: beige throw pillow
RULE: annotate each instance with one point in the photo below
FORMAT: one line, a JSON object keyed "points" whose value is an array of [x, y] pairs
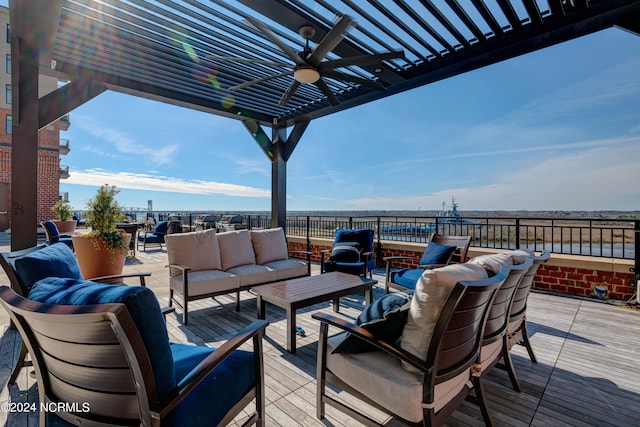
{"points": [[236, 249], [198, 250], [269, 245], [432, 290], [520, 256], [493, 262]]}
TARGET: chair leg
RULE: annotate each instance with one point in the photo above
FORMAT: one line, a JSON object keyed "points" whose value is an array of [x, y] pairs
{"points": [[170, 297], [482, 403], [185, 311], [237, 300], [20, 363], [508, 364], [321, 366], [527, 343]]}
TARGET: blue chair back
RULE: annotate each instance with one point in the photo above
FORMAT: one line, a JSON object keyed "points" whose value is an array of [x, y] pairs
{"points": [[363, 236], [161, 227], [52, 232]]}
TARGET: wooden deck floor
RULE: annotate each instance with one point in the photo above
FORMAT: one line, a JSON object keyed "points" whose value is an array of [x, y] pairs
{"points": [[588, 370]]}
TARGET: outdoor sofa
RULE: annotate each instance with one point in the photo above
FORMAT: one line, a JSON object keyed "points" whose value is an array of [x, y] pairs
{"points": [[204, 264]]}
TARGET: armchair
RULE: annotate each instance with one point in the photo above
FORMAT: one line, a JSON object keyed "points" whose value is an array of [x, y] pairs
{"points": [[108, 352], [442, 250], [423, 390], [352, 253], [162, 228], [52, 234], [26, 267]]}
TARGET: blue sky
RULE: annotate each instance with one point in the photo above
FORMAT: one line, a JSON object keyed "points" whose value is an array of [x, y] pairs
{"points": [[557, 129]]}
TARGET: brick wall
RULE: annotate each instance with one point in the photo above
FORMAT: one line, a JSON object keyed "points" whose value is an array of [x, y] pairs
{"points": [[565, 274]]}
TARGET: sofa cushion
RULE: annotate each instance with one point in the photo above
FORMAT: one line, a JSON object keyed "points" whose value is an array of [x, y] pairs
{"points": [[210, 401], [493, 263], [288, 268], [50, 261], [142, 305], [269, 245], [206, 282], [432, 290], [252, 274], [380, 377], [435, 253], [384, 318], [235, 249], [198, 250]]}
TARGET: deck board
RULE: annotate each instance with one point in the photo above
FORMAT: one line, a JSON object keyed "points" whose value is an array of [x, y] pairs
{"points": [[587, 372]]}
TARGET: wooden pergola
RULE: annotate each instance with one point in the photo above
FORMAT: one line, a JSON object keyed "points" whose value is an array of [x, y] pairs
{"points": [[200, 54]]}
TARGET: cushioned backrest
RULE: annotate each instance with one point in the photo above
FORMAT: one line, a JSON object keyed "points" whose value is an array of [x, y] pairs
{"points": [[364, 236], [142, 305], [161, 227], [198, 250], [493, 262], [432, 290], [236, 249], [435, 253], [269, 245], [52, 231], [50, 261]]}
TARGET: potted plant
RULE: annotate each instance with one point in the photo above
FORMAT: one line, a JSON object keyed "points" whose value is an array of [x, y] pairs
{"points": [[102, 251], [66, 224]]}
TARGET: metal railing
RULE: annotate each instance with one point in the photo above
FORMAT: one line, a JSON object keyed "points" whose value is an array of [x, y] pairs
{"points": [[599, 237]]}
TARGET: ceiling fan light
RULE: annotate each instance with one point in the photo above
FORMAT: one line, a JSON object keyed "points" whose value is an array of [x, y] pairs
{"points": [[306, 75]]}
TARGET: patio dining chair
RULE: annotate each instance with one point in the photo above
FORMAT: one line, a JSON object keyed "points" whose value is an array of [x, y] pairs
{"points": [[417, 390], [351, 252], [156, 237], [26, 267], [104, 350], [442, 250], [52, 234]]}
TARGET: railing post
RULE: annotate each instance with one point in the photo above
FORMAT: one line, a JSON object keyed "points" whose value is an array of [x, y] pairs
{"points": [[636, 255], [517, 233], [308, 234]]}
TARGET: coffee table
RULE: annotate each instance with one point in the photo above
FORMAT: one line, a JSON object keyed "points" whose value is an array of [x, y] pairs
{"points": [[302, 292]]}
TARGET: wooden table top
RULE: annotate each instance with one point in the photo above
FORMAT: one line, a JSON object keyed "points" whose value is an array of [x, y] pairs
{"points": [[310, 287]]}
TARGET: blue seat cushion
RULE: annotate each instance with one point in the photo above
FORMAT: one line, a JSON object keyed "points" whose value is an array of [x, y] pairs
{"points": [[384, 319], [407, 277], [210, 401], [142, 305], [51, 261], [435, 253], [151, 238], [356, 268]]}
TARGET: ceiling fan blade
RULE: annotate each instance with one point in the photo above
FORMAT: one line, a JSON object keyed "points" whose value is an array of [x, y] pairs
{"points": [[331, 40], [276, 40], [325, 89], [360, 61], [353, 79], [248, 61], [286, 96], [260, 80]]}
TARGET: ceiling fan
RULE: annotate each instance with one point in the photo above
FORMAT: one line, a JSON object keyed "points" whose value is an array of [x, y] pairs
{"points": [[309, 67]]}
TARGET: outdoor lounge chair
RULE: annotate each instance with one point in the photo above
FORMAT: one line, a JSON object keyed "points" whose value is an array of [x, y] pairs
{"points": [[26, 267], [156, 237], [52, 234], [517, 329], [442, 250], [352, 253], [415, 390], [108, 355]]}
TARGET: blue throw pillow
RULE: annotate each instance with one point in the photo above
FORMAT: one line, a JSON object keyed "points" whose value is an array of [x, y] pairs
{"points": [[346, 252], [435, 253], [384, 319], [142, 305], [50, 261]]}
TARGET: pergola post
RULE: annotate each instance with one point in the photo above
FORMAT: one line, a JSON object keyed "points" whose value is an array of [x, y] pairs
{"points": [[278, 150]]}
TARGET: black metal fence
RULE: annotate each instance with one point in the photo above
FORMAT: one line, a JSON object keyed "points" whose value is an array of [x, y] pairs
{"points": [[599, 237]]}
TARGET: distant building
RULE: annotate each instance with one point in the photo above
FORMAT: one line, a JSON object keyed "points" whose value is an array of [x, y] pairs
{"points": [[50, 146]]}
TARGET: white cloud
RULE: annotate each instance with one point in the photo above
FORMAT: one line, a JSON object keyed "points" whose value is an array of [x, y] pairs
{"points": [[160, 183], [126, 144]]}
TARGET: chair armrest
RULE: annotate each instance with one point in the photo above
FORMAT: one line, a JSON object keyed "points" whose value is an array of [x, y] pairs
{"points": [[183, 268], [395, 258], [200, 372], [141, 276], [365, 335], [432, 266], [307, 253]]}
